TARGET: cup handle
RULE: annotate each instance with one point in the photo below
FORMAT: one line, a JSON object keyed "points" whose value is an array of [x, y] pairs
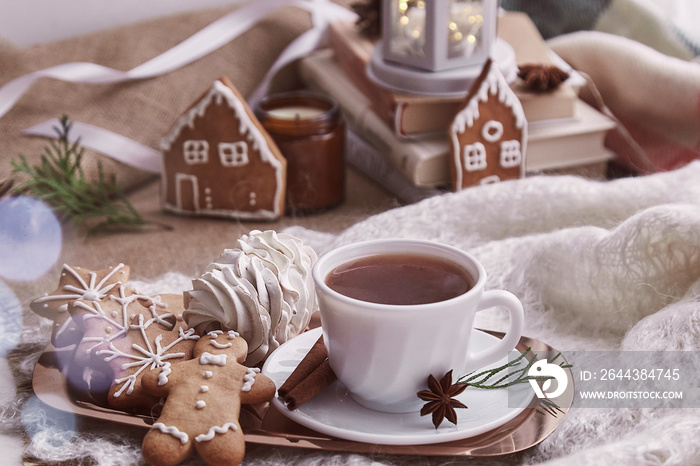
{"points": [[494, 298]]}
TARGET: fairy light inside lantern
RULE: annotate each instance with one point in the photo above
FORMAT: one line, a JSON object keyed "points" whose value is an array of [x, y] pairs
{"points": [[438, 46]]}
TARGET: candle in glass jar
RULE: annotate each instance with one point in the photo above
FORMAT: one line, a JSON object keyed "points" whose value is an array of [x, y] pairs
{"points": [[310, 133], [294, 112]]}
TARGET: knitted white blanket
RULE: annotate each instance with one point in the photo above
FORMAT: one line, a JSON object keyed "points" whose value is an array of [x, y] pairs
{"points": [[598, 266]]}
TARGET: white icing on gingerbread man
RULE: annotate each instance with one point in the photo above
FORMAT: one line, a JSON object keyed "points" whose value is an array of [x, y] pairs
{"points": [[203, 400]]}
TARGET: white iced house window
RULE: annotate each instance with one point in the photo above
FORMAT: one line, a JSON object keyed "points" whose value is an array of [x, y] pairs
{"points": [[474, 157], [233, 154], [492, 130], [511, 156], [196, 151]]}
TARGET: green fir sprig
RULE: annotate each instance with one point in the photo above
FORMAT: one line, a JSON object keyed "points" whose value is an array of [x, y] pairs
{"points": [[60, 182], [504, 377]]}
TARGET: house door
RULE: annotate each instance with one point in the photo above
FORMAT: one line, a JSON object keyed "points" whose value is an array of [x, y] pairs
{"points": [[186, 192]]}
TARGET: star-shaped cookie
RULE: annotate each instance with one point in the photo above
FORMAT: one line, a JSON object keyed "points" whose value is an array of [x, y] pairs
{"points": [[76, 283]]}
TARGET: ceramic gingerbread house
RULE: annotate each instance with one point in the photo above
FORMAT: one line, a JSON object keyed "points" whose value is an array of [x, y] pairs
{"points": [[218, 161], [489, 133]]}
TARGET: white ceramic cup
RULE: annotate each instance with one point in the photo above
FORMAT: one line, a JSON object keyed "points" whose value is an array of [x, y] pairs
{"points": [[383, 353]]}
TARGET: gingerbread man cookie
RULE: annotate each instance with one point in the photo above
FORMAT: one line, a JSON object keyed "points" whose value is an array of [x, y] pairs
{"points": [[204, 397]]}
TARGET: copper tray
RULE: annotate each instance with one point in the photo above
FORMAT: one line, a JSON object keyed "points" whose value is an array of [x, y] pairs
{"points": [[263, 424]]}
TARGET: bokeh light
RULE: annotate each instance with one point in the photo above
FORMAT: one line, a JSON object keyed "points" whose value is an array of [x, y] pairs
{"points": [[30, 238]]}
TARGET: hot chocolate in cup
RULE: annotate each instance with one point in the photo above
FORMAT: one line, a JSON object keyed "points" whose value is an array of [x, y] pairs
{"points": [[394, 311]]}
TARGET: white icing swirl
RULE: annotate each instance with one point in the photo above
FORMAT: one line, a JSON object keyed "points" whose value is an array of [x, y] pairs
{"points": [[263, 289], [165, 371], [216, 430], [249, 379], [172, 430]]}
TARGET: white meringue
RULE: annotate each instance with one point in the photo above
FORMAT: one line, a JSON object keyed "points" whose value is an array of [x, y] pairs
{"points": [[263, 289]]}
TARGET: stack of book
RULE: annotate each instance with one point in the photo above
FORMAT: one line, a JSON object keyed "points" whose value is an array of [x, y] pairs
{"points": [[391, 131]]}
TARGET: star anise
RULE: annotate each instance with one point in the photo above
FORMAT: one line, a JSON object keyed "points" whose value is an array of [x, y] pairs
{"points": [[542, 78], [440, 399]]}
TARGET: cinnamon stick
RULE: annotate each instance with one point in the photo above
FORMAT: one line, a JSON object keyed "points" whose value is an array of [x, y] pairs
{"points": [[319, 379], [313, 359]]}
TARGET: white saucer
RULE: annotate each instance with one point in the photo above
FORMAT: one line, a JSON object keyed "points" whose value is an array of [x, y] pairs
{"points": [[334, 412]]}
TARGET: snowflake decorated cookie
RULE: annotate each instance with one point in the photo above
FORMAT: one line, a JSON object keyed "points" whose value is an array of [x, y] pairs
{"points": [[126, 335], [203, 402], [76, 283]]}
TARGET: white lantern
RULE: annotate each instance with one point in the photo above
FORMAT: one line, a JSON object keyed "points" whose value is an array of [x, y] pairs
{"points": [[438, 46]]}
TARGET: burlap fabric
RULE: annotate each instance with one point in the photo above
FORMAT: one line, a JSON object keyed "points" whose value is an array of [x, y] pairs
{"points": [[140, 110], [144, 111]]}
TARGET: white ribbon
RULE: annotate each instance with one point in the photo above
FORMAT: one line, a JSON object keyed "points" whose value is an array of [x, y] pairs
{"points": [[198, 45], [304, 44], [212, 37], [114, 145]]}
